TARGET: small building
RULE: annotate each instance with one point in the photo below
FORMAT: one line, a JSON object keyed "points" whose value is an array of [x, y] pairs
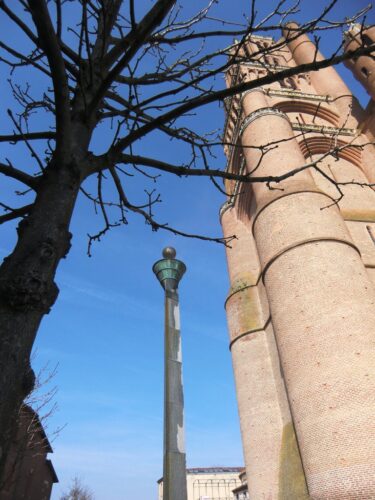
{"points": [[29, 474], [209, 483], [241, 492]]}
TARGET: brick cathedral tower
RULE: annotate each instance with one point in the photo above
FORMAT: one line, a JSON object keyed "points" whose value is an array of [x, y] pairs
{"points": [[301, 307]]}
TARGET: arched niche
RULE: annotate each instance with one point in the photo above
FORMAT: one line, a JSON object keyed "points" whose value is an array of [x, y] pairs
{"points": [[309, 112], [240, 194], [343, 165], [235, 166], [320, 144]]}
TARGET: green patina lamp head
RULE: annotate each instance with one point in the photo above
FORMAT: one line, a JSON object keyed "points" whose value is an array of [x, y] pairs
{"points": [[169, 270]]}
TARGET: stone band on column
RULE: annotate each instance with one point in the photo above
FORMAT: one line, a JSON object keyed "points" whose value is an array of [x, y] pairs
{"points": [[258, 114]]}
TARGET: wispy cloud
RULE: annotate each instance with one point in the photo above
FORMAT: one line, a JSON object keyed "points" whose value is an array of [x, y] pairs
{"points": [[124, 303]]}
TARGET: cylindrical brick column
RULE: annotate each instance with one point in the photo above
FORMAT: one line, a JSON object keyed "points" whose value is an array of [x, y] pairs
{"points": [[273, 464], [326, 81], [322, 306], [367, 156], [363, 67]]}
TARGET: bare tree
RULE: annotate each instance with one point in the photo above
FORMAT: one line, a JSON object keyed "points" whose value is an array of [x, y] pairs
{"points": [[105, 65], [77, 492]]}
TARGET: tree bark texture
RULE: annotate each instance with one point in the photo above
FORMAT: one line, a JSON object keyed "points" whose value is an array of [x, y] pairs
{"points": [[28, 290]]}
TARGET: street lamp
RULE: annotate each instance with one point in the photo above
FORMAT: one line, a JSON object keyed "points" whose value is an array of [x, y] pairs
{"points": [[169, 272]]}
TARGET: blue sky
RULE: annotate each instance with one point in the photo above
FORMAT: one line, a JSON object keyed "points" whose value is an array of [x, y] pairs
{"points": [[106, 330]]}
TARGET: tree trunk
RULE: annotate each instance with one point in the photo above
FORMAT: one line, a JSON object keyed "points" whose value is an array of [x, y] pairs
{"points": [[27, 288]]}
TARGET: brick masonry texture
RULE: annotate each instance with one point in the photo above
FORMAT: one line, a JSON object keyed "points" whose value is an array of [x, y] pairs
{"points": [[301, 307]]}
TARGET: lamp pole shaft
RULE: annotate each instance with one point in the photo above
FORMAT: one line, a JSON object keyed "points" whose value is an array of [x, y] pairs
{"points": [[174, 466]]}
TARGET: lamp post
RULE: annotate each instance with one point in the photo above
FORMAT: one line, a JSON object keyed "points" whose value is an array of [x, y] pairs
{"points": [[169, 272]]}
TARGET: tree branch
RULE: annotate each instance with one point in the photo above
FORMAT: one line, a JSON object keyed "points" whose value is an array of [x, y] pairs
{"points": [[67, 50], [16, 213], [131, 44], [155, 226], [219, 95], [29, 136], [20, 176], [50, 44]]}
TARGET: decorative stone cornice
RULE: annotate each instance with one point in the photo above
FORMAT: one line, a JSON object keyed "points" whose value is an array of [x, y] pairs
{"points": [[259, 37], [251, 38], [263, 65], [310, 127], [295, 94], [244, 94], [224, 207], [353, 30], [258, 114]]}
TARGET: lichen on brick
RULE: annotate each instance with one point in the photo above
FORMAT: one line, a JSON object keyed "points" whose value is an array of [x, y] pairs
{"points": [[292, 483]]}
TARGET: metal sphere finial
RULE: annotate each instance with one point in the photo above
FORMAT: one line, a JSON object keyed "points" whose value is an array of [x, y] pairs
{"points": [[169, 270], [169, 253]]}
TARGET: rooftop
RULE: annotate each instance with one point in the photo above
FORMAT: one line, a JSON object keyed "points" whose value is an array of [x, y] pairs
{"points": [[211, 470]]}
